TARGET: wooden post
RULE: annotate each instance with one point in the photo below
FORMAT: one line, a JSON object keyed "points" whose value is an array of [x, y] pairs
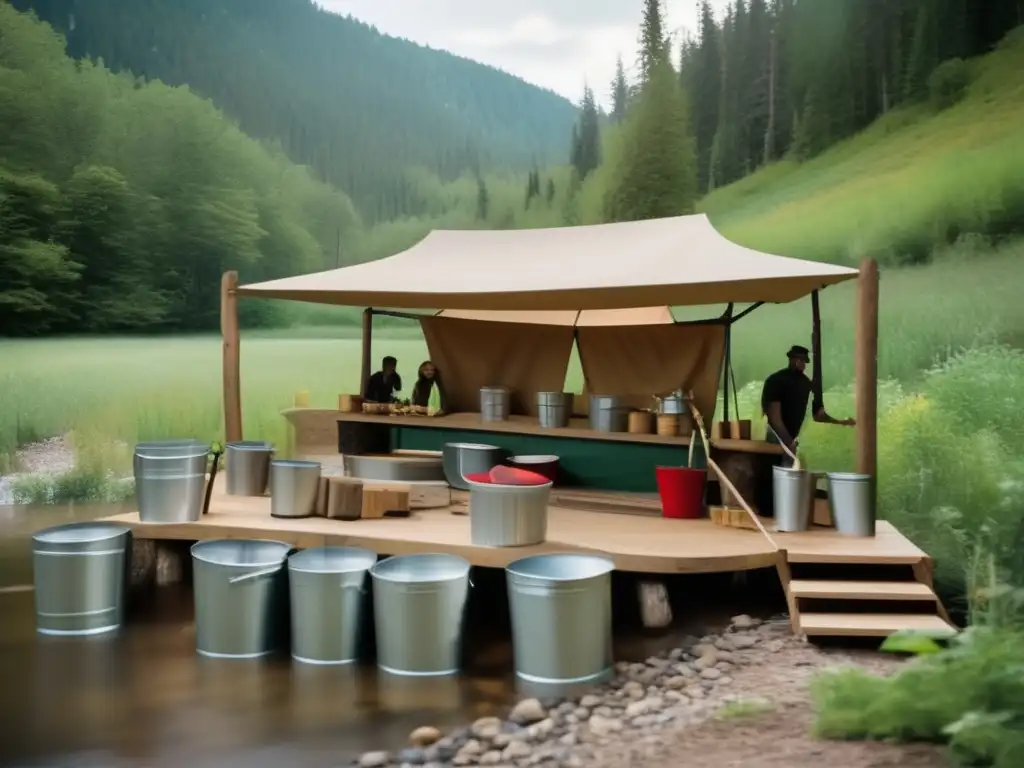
{"points": [[866, 368], [366, 367], [232, 367]]}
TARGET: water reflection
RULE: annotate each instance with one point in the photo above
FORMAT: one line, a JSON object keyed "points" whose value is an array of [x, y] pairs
{"points": [[144, 697]]}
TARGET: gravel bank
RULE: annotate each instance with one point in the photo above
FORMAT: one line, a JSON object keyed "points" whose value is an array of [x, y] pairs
{"points": [[53, 456], [737, 698]]}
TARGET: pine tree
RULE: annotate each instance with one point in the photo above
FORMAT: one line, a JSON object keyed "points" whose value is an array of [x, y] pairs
{"points": [[586, 155], [620, 92], [923, 57], [549, 194], [656, 169], [706, 84], [483, 199], [653, 41]]}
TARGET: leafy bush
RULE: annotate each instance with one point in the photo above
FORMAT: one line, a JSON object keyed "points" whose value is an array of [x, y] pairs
{"points": [[948, 83]]}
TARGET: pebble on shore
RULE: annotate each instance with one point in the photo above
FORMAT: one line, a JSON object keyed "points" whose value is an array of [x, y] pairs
{"points": [[674, 689]]}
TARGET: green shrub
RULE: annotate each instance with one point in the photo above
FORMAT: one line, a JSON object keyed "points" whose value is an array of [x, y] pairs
{"points": [[948, 83]]}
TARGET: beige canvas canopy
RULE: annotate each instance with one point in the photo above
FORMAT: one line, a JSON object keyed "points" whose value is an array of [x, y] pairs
{"points": [[592, 318], [678, 261]]}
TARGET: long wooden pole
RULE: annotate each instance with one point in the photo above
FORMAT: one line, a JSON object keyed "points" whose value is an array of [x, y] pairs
{"points": [[232, 358], [866, 369], [365, 367]]}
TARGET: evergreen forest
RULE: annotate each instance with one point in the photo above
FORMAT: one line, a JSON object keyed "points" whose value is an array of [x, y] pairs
{"points": [[148, 146]]}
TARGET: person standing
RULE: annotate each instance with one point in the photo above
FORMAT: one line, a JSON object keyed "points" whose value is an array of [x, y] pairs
{"points": [[784, 402], [381, 386], [428, 391]]}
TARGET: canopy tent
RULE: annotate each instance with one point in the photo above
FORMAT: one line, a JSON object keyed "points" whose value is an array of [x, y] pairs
{"points": [[582, 275], [675, 261]]}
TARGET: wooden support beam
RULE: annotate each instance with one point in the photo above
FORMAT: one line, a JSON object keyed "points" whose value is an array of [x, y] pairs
{"points": [[232, 358], [866, 369], [366, 366]]}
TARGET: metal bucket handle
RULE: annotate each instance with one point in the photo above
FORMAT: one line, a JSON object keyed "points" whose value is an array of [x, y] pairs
{"points": [[256, 574]]}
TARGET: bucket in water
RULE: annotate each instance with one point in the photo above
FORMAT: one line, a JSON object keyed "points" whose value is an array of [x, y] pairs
{"points": [[682, 492]]}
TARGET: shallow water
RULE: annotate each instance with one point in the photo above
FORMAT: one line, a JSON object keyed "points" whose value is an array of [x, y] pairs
{"points": [[143, 697]]}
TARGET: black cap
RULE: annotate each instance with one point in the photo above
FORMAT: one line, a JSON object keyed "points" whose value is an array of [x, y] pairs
{"points": [[798, 352]]}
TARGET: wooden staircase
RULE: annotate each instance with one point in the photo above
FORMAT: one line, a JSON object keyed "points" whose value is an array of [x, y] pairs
{"points": [[838, 586]]}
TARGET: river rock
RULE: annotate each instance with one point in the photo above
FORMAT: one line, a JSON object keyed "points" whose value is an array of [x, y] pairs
{"points": [[424, 736], [517, 750], [412, 756], [590, 701], [485, 727], [743, 641], [743, 621], [540, 730], [527, 711], [604, 726], [705, 662], [644, 707], [490, 758], [374, 759], [710, 674]]}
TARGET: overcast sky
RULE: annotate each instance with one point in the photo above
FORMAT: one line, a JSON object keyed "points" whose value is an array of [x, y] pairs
{"points": [[558, 44]]}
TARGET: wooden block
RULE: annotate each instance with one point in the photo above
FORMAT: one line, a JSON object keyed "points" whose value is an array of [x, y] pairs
{"points": [[422, 495], [344, 498], [378, 502], [822, 514], [321, 498]]}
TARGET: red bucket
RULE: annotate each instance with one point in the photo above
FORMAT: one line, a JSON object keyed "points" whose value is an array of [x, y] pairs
{"points": [[682, 492], [501, 475]]}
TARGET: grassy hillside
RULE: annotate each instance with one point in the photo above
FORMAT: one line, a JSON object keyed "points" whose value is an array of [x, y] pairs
{"points": [[914, 179]]}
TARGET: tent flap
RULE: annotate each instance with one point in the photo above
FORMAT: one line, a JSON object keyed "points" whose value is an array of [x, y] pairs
{"points": [[637, 362], [674, 261], [471, 354]]}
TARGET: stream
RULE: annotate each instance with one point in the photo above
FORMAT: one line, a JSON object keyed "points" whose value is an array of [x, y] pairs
{"points": [[144, 697]]}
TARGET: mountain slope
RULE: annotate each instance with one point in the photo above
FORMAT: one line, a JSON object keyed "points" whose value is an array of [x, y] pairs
{"points": [[358, 106]]}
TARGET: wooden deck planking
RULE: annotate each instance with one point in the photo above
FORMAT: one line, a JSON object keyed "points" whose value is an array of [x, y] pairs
{"points": [[887, 547], [861, 590], [639, 544], [869, 624]]}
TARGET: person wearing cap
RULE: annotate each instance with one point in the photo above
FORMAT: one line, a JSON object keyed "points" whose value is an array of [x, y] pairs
{"points": [[381, 387], [784, 401]]}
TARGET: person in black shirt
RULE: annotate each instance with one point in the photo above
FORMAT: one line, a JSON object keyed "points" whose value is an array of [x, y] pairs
{"points": [[784, 401], [381, 387]]}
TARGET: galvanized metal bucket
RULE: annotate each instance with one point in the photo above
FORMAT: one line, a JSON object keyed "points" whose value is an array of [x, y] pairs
{"points": [[508, 515], [418, 607], [608, 414], [494, 403], [327, 586], [293, 488], [170, 480], [461, 459], [241, 597], [852, 501], [561, 607], [80, 573], [247, 463], [793, 491], [554, 409]]}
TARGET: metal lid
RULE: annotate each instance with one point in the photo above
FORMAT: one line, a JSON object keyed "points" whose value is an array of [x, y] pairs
{"points": [[852, 476], [241, 552], [178, 449], [494, 389], [80, 533], [533, 459], [472, 446], [295, 464], [332, 560], [421, 568], [251, 445], [561, 567]]}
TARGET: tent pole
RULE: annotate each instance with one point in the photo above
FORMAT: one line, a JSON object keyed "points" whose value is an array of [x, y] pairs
{"points": [[728, 363], [232, 359], [817, 379], [364, 369], [866, 368]]}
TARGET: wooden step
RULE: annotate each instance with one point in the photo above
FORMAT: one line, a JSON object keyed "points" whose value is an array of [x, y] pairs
{"points": [[868, 624], [860, 590]]}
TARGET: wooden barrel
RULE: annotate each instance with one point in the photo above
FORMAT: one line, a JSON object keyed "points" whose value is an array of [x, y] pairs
{"points": [[641, 422], [668, 424]]}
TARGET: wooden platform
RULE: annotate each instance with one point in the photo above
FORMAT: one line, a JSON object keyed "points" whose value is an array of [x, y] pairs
{"points": [[645, 544], [887, 569]]}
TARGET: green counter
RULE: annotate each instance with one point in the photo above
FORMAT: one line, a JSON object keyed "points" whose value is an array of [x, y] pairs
{"points": [[605, 464]]}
